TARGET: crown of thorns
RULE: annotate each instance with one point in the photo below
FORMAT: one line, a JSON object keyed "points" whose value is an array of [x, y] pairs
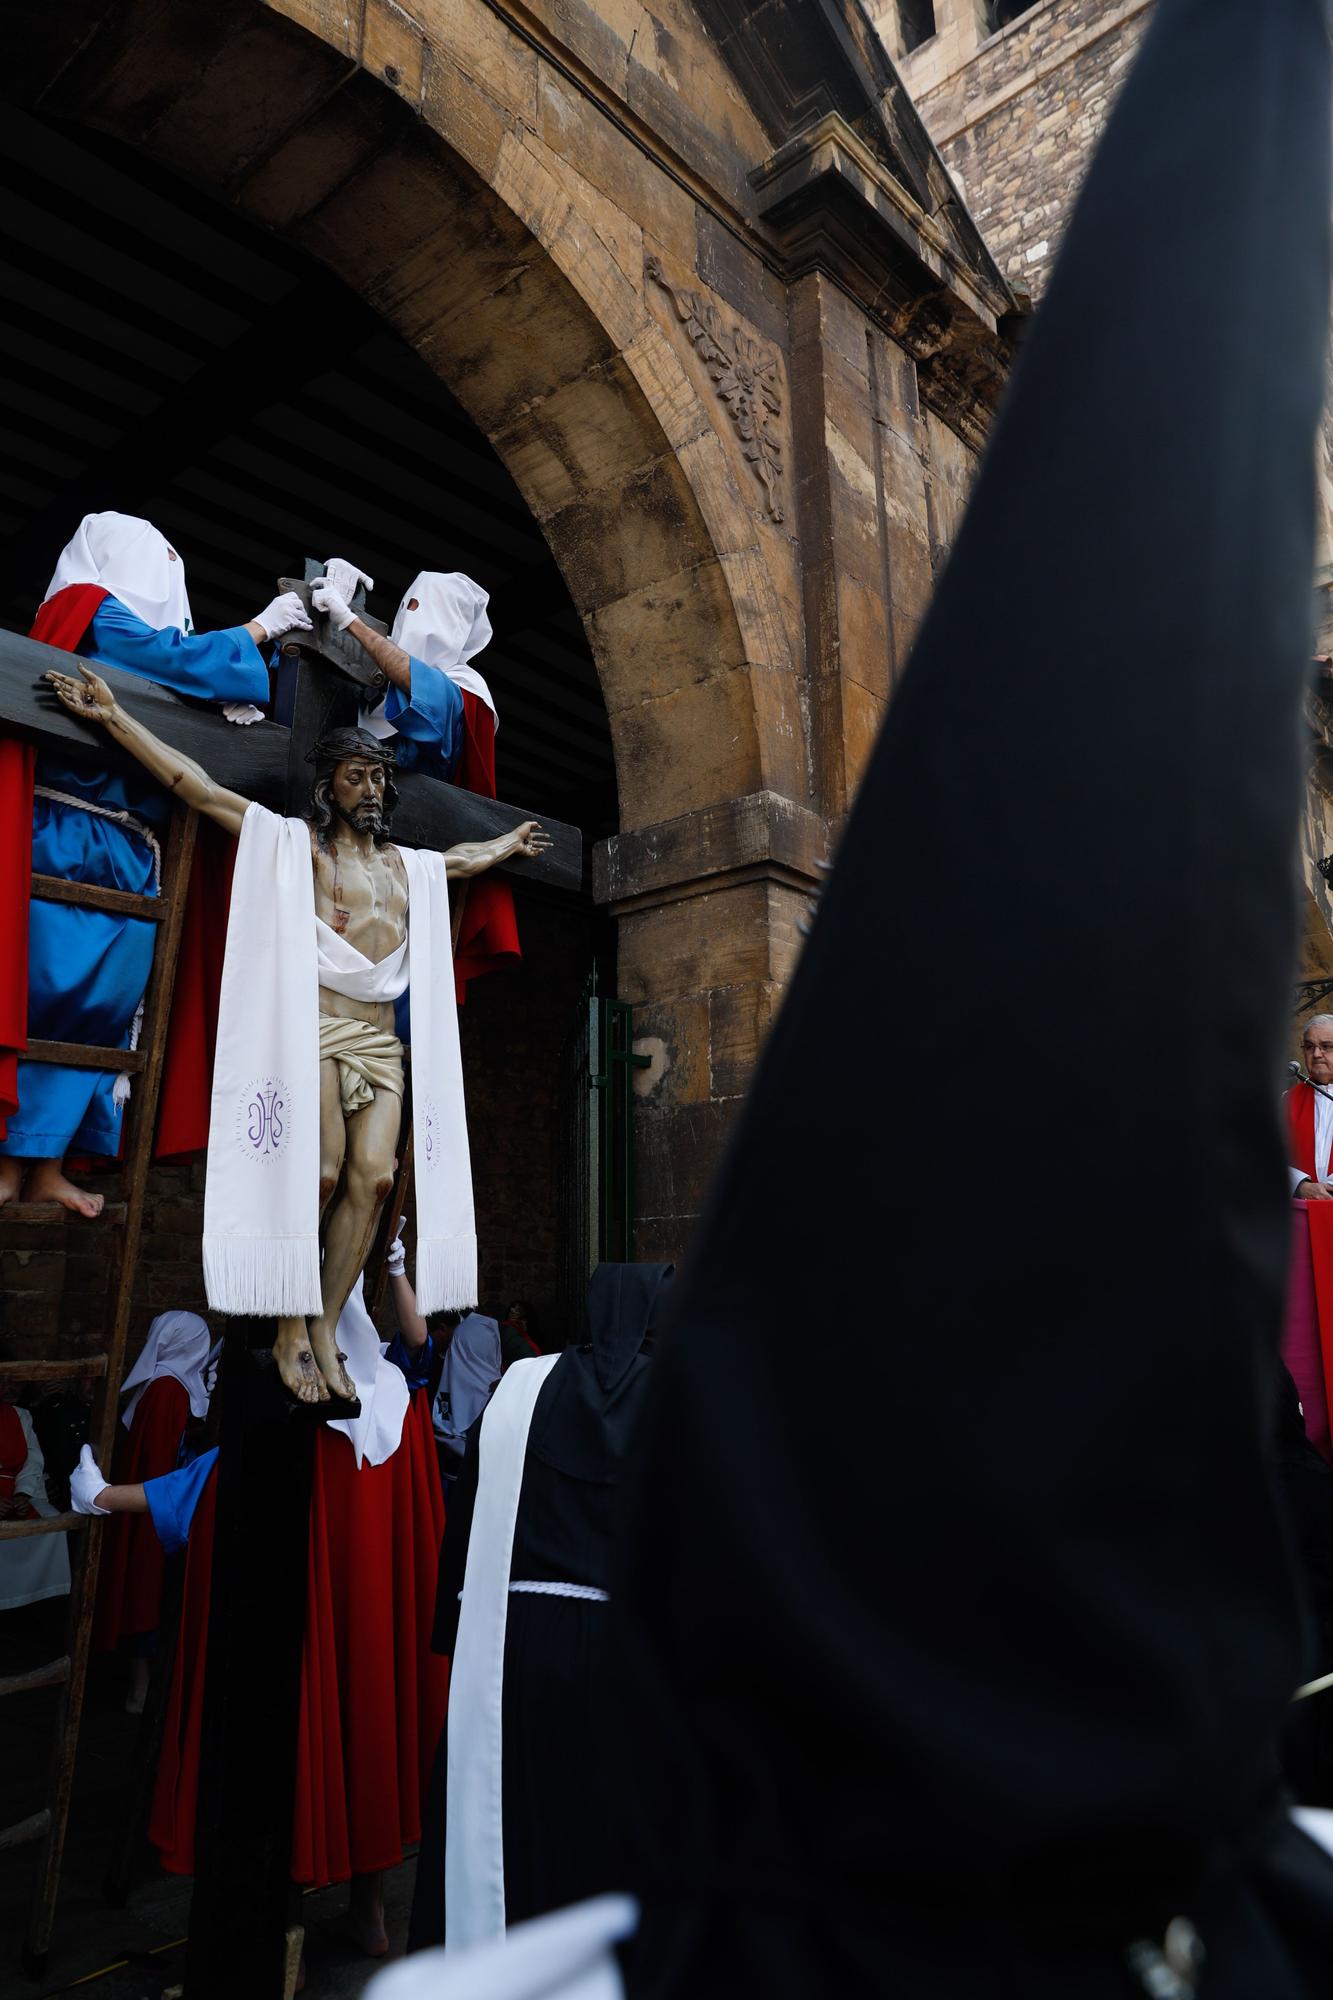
{"points": [[339, 745]]}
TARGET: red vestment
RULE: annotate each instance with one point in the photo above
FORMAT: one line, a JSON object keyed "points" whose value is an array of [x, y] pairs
{"points": [[129, 1582], [13, 1458], [372, 1692], [1307, 1333], [488, 934]]}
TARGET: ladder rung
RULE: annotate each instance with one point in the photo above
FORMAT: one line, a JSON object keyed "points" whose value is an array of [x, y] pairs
{"points": [[55, 1371], [51, 1524], [31, 1828], [91, 896], [81, 1055], [53, 1211], [54, 1674]]}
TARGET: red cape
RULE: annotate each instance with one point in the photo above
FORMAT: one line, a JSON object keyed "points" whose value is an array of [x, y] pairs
{"points": [[187, 1078], [488, 935], [13, 1458], [372, 1692], [129, 1582], [1307, 1332]]}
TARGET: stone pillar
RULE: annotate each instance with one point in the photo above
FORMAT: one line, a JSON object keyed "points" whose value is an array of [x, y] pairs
{"points": [[708, 906]]}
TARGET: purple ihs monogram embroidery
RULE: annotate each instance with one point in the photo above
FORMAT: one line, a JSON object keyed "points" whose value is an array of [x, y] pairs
{"points": [[430, 1150], [262, 1118]]}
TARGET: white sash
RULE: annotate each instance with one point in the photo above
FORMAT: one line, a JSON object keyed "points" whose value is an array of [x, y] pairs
{"points": [[474, 1856]]}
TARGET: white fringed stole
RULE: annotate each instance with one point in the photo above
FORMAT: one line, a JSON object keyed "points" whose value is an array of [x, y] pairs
{"points": [[261, 1202], [474, 1853]]}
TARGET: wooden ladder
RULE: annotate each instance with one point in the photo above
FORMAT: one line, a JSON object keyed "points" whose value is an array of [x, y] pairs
{"points": [[123, 1220]]}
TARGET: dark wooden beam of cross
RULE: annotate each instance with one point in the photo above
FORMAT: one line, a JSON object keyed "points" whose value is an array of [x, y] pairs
{"points": [[266, 760]]}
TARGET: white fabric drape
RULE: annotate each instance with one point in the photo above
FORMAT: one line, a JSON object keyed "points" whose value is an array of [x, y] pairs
{"points": [[261, 1197], [569, 1955], [381, 1388], [179, 1344], [474, 1873], [448, 628], [131, 560]]}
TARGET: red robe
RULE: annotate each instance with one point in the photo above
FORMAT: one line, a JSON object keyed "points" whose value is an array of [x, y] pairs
{"points": [[187, 1077], [372, 1692], [13, 1458], [1307, 1333], [488, 934], [129, 1582]]}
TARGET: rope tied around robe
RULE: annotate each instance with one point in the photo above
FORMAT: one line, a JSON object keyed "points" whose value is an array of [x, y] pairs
{"points": [[120, 1090]]}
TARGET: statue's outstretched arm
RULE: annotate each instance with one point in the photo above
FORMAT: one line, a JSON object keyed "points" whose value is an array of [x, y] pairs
{"points": [[89, 697], [474, 857]]}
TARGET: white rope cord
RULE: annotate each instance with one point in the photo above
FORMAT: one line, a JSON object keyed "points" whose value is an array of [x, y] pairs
{"points": [[1320, 1686], [586, 1593], [120, 1090]]}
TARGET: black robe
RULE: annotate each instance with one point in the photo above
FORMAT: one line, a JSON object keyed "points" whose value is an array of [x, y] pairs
{"points": [[556, 1793], [956, 1667]]}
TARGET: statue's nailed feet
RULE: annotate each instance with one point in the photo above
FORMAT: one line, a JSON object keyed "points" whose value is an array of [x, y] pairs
{"points": [[296, 1362], [332, 1362], [11, 1179], [46, 1182]]}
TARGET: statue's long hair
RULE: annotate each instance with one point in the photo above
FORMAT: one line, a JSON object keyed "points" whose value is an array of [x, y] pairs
{"points": [[338, 747]]}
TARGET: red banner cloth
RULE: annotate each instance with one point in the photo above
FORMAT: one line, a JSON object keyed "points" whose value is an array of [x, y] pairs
{"points": [[372, 1692], [129, 1582], [488, 934]]}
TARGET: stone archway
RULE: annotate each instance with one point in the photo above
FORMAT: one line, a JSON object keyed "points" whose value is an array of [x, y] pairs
{"points": [[562, 328]]}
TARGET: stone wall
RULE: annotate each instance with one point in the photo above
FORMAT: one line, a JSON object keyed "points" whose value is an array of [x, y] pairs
{"points": [[1016, 115]]}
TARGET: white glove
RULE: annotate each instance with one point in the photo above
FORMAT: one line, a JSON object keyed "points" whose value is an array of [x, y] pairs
{"points": [[326, 599], [285, 614], [86, 1484], [395, 1263], [345, 576], [242, 711]]}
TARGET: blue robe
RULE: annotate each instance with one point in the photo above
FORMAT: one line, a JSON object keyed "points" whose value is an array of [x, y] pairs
{"points": [[429, 723], [173, 1497], [87, 969]]}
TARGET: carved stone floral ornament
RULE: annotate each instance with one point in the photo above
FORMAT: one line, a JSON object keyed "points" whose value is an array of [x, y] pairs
{"points": [[746, 376]]}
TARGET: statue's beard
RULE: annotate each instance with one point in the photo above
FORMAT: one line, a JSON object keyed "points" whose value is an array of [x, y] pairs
{"points": [[367, 818]]}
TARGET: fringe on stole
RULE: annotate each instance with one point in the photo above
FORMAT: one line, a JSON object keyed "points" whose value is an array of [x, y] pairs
{"points": [[262, 1276], [446, 1274]]}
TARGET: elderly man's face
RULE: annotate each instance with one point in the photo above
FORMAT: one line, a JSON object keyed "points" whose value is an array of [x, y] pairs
{"points": [[1317, 1043], [358, 794]]}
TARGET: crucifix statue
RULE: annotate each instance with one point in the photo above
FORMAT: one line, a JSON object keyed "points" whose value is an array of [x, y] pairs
{"points": [[362, 885]]}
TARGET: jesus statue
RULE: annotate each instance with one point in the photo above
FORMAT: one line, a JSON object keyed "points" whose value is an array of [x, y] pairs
{"points": [[363, 886]]}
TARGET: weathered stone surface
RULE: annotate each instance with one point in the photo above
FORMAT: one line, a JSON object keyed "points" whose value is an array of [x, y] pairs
{"points": [[718, 840]]}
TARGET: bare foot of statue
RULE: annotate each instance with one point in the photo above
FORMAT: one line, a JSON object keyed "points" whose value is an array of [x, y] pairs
{"points": [[296, 1362], [11, 1179], [332, 1362], [46, 1182]]}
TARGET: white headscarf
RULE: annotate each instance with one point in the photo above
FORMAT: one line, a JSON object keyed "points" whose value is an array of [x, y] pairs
{"points": [[132, 561], [447, 628], [381, 1388], [178, 1344], [472, 1367]]}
